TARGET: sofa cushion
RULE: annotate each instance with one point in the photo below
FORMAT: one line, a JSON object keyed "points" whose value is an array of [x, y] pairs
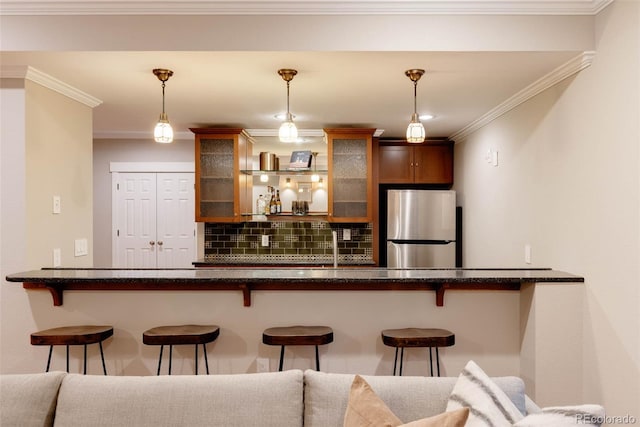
{"points": [[29, 399], [262, 399], [410, 398], [366, 409], [489, 404]]}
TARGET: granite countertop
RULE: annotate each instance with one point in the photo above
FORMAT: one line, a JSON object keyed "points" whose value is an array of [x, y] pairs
{"points": [[294, 275], [247, 279]]}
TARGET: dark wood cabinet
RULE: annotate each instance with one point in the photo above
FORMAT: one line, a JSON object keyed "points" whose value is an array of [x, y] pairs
{"points": [[350, 165], [427, 163], [223, 194]]}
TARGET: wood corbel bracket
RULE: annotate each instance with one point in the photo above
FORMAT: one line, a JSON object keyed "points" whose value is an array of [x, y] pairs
{"points": [[56, 291], [440, 288], [246, 294]]}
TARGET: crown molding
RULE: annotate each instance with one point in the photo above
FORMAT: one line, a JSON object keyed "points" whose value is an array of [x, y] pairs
{"points": [[43, 79], [139, 134], [569, 68], [303, 7]]}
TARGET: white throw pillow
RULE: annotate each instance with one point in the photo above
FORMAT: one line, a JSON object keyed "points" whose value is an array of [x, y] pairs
{"points": [[561, 416], [488, 404]]}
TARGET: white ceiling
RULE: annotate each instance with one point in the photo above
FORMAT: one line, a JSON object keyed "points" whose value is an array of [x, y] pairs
{"points": [[331, 89]]}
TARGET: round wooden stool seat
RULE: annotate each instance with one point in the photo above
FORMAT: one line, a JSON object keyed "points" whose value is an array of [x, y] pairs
{"points": [[181, 335], [73, 335], [298, 335], [418, 337]]}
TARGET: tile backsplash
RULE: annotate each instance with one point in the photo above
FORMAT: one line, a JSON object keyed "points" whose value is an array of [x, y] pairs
{"points": [[290, 242]]}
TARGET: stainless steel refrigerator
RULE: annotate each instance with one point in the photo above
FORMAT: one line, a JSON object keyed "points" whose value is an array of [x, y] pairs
{"points": [[421, 228]]}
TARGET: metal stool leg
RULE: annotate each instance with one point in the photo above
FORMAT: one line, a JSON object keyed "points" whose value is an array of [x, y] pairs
{"points": [[67, 359], [438, 360], [104, 367], [85, 359], [317, 360], [395, 361], [401, 359], [430, 362], [206, 362], [281, 358], [49, 359], [160, 359], [196, 359], [170, 356]]}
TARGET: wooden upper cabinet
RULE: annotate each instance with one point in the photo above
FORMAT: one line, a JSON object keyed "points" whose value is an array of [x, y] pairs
{"points": [[350, 170], [427, 163], [223, 194]]}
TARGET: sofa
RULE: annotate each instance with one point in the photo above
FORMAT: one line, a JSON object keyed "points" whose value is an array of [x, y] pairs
{"points": [[284, 399]]}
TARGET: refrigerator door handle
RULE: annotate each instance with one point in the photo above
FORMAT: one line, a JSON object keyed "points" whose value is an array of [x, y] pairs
{"points": [[420, 242]]}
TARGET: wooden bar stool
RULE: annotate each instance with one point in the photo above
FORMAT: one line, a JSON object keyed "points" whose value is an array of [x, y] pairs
{"points": [[418, 337], [73, 335], [181, 335], [298, 335]]}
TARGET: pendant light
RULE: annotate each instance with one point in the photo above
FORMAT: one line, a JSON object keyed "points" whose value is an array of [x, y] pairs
{"points": [[163, 132], [288, 131], [415, 130]]}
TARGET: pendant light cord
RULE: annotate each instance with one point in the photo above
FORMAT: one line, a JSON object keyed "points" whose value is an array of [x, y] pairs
{"points": [[415, 96], [163, 97], [288, 113]]}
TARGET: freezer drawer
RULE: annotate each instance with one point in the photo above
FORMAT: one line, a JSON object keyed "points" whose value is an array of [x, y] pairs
{"points": [[421, 255]]}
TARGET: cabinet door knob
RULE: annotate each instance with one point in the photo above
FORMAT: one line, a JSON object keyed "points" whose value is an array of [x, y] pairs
{"points": [[159, 242], [152, 243]]}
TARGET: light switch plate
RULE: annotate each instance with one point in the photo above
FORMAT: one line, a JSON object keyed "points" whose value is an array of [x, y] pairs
{"points": [[527, 254], [262, 364], [81, 247], [346, 234], [57, 258], [57, 205]]}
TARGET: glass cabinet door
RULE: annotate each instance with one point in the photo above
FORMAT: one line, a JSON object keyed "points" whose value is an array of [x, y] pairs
{"points": [[219, 155], [350, 172]]}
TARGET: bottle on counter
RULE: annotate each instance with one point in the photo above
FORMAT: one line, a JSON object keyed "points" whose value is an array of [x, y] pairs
{"points": [[273, 209], [260, 205], [267, 201], [278, 202]]}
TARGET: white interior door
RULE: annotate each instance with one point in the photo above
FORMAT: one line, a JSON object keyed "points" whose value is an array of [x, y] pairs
{"points": [[135, 220], [175, 229], [154, 220]]}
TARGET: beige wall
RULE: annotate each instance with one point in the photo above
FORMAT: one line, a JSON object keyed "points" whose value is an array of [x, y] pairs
{"points": [[568, 184], [58, 151], [46, 151]]}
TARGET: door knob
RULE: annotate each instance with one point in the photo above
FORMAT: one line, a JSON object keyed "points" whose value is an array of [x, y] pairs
{"points": [[152, 243], [160, 242]]}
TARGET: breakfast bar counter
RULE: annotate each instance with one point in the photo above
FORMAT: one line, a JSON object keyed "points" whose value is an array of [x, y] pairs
{"points": [[245, 280]]}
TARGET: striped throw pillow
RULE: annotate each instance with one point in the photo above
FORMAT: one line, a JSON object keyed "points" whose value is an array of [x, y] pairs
{"points": [[488, 404], [561, 416]]}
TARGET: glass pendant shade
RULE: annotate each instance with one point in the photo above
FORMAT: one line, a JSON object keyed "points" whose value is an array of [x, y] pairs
{"points": [[415, 131], [288, 131], [163, 132]]}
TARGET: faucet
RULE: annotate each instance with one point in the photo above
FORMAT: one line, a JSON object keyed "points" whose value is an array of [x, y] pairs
{"points": [[335, 248]]}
